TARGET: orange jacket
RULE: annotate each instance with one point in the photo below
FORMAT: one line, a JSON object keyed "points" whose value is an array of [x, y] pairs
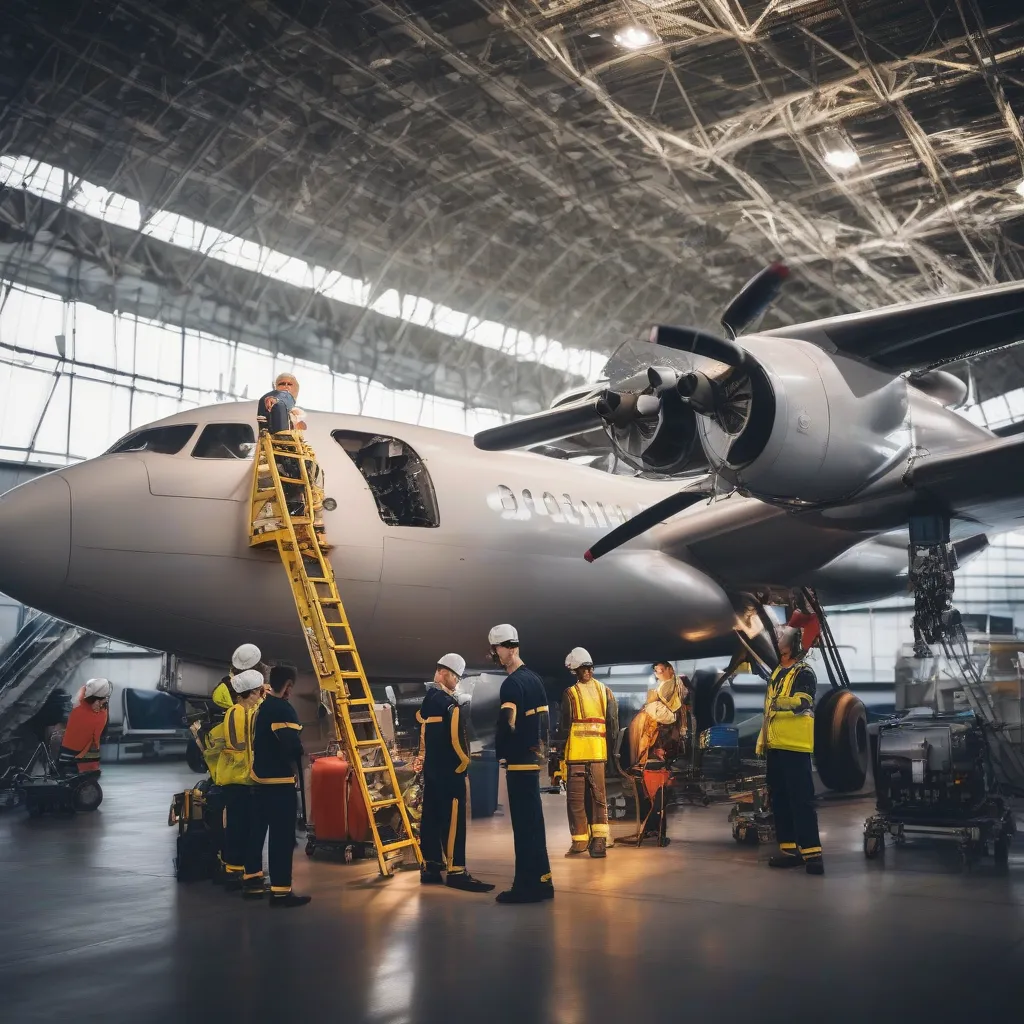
{"points": [[82, 736]]}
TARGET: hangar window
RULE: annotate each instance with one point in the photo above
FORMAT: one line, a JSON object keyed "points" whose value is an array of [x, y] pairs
{"points": [[225, 441], [397, 477], [162, 440]]}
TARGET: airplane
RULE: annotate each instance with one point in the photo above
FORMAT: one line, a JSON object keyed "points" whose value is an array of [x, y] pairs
{"points": [[803, 452]]}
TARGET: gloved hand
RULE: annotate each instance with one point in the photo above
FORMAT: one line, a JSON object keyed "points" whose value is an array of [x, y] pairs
{"points": [[759, 746]]}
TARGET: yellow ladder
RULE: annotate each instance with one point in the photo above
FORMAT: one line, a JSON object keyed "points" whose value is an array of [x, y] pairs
{"points": [[328, 635]]}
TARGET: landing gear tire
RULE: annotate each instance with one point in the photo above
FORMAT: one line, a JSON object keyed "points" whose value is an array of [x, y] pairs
{"points": [[841, 748], [87, 795], [713, 702]]}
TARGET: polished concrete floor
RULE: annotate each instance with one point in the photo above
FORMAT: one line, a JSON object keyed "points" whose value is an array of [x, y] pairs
{"points": [[96, 929]]}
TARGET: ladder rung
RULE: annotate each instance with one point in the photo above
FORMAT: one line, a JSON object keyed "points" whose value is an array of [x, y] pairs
{"points": [[378, 805], [376, 768], [291, 480], [400, 845], [316, 579], [369, 743]]}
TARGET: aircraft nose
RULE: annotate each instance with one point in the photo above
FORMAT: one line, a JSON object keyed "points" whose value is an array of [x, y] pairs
{"points": [[35, 539]]}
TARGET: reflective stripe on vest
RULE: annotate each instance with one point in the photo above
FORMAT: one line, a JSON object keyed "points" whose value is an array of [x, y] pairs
{"points": [[788, 730], [589, 706]]}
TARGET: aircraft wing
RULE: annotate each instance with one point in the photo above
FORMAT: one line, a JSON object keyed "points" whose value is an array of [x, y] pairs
{"points": [[922, 334], [983, 483]]}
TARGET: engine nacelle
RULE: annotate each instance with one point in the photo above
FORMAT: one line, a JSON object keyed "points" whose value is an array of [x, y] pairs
{"points": [[814, 427]]}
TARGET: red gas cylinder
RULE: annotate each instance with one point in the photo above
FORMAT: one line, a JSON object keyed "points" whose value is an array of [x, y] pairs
{"points": [[337, 808]]}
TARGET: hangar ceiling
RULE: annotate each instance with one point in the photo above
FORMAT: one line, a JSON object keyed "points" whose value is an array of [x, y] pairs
{"points": [[575, 169]]}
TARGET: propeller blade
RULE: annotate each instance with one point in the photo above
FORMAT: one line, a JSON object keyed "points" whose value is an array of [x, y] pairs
{"points": [[643, 521], [700, 343], [754, 298], [550, 425]]}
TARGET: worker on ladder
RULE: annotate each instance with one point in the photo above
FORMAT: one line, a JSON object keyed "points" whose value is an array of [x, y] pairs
{"points": [[588, 728], [278, 414], [787, 741], [445, 760]]}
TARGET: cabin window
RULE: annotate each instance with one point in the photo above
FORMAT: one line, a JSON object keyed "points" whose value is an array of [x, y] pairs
{"points": [[396, 475], [161, 440], [225, 441]]}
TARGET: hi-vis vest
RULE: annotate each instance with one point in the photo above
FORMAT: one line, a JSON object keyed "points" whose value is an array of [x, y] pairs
{"points": [[589, 705], [788, 730], [233, 768]]}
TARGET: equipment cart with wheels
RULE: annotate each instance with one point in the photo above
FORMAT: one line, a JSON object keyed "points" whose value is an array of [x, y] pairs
{"points": [[41, 786], [934, 780]]}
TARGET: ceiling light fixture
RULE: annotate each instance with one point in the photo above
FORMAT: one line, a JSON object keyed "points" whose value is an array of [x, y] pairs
{"points": [[841, 159], [634, 37]]}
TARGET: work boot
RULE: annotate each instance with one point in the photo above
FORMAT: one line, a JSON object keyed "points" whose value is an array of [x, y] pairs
{"points": [[467, 883], [598, 846], [815, 866], [430, 874], [289, 899], [523, 895], [784, 860], [254, 888], [578, 847]]}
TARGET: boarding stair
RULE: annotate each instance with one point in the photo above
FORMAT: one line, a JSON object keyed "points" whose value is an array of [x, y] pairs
{"points": [[285, 474], [40, 657]]}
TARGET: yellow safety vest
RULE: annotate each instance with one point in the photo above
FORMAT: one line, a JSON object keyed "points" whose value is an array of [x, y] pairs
{"points": [[587, 740], [788, 730], [235, 762]]}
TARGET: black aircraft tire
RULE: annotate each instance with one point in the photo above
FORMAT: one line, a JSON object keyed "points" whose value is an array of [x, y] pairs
{"points": [[87, 795], [194, 757], [713, 704], [841, 745]]}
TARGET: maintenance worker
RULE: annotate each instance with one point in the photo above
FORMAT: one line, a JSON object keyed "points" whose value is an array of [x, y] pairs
{"points": [[587, 729], [234, 774], [652, 744], [211, 742], [521, 741], [445, 748], [80, 745], [276, 758], [277, 410], [787, 740]]}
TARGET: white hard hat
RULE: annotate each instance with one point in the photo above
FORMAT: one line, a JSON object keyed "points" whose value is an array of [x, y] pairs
{"points": [[454, 663], [578, 657], [245, 657], [503, 634], [98, 688], [247, 681]]}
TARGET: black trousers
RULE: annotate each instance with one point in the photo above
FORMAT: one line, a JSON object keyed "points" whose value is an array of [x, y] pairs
{"points": [[791, 792], [215, 818], [443, 822], [274, 808], [240, 821], [527, 813]]}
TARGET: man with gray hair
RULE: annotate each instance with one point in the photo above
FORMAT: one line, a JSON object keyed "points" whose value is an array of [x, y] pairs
{"points": [[787, 741], [445, 746]]}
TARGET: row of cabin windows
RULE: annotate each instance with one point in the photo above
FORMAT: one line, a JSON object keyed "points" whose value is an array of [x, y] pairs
{"points": [[397, 477]]}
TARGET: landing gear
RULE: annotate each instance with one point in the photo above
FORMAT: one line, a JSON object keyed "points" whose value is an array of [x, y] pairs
{"points": [[841, 741]]}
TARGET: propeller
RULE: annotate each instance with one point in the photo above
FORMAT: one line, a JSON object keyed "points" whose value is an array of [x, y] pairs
{"points": [[754, 298], [643, 521], [549, 425]]}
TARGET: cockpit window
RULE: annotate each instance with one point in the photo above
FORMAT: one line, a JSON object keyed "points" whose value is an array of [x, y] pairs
{"points": [[162, 440], [397, 477], [225, 441]]}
